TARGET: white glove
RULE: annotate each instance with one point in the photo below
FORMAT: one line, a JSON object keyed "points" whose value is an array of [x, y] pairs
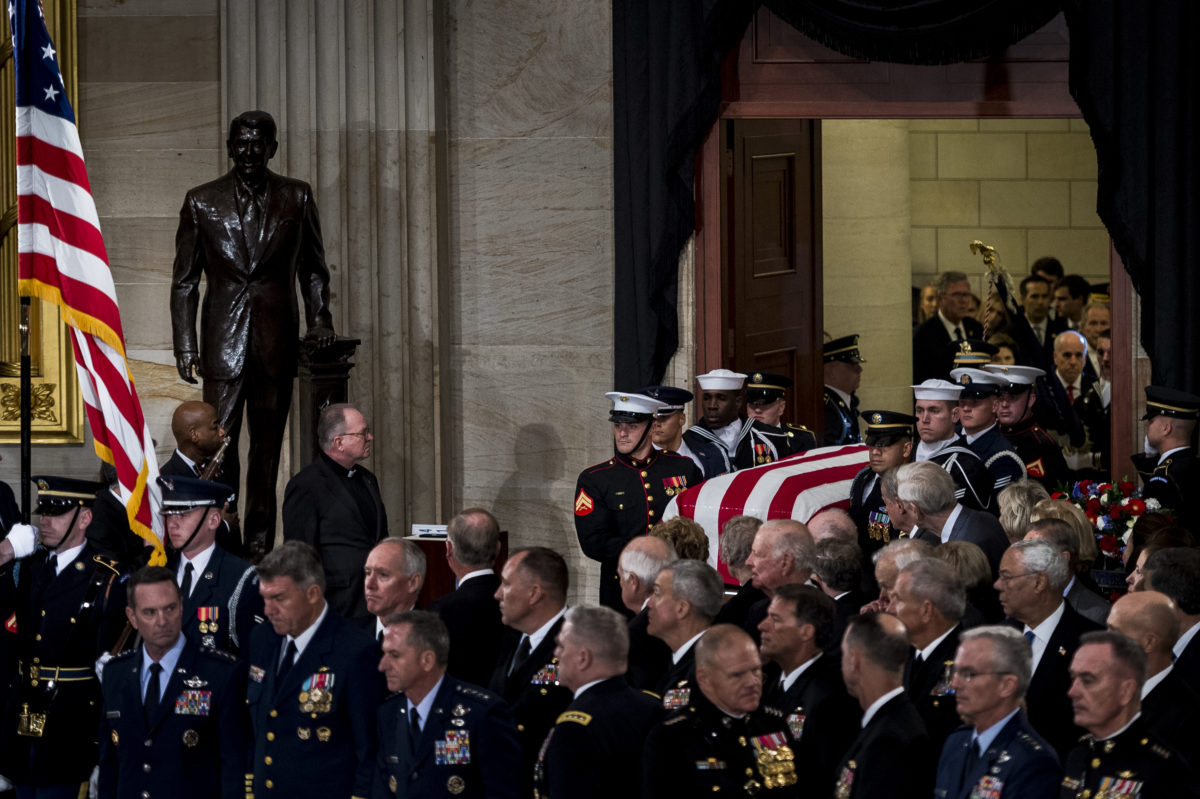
{"points": [[100, 661], [5, 785], [22, 538], [94, 783]]}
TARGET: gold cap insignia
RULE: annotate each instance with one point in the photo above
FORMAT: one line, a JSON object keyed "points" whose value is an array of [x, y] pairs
{"points": [[876, 418]]}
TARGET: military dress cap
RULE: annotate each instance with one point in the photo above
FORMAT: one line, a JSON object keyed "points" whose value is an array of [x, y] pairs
{"points": [[935, 389], [976, 383], [675, 399], [1020, 378], [1163, 401], [721, 380], [973, 352], [763, 388], [57, 495], [843, 349], [1100, 293], [632, 407], [885, 428], [181, 494]]}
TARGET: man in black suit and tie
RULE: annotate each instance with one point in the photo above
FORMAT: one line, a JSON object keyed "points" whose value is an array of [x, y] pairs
{"points": [[1169, 705], [821, 716], [686, 598], [932, 355], [175, 718], [392, 579], [1033, 575], [1176, 573], [892, 755], [314, 686], [470, 612], [997, 753], [838, 572], [221, 601], [1079, 596], [930, 601], [252, 235], [439, 736], [926, 489], [640, 562], [333, 505], [1035, 299], [533, 598]]}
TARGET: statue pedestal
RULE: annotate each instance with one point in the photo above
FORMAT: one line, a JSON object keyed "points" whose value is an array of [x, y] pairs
{"points": [[324, 376]]}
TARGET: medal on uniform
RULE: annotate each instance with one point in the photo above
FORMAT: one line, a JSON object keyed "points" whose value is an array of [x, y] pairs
{"points": [[316, 694], [845, 781], [455, 785], [776, 762], [879, 526], [677, 698], [194, 703], [988, 787], [190, 738], [942, 688], [547, 675], [795, 723], [208, 618], [303, 733], [454, 749]]}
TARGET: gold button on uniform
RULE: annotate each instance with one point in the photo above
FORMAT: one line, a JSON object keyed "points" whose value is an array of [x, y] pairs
{"points": [[270, 784], [644, 474], [274, 713], [268, 760], [270, 736]]}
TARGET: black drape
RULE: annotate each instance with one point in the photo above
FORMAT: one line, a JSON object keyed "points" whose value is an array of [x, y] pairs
{"points": [[666, 82], [1133, 77]]}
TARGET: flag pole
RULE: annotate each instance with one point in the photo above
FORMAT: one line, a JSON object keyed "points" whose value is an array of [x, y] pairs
{"points": [[26, 411]]}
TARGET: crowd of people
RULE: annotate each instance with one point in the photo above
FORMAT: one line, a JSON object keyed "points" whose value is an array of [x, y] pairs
{"points": [[944, 636]]}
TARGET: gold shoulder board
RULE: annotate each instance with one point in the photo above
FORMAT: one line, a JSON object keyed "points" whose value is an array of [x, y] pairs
{"points": [[575, 716]]}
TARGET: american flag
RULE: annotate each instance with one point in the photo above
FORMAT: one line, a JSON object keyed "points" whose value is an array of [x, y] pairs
{"points": [[793, 488], [62, 260]]}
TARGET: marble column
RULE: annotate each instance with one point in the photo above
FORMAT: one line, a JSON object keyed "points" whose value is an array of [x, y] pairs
{"points": [[355, 86]]}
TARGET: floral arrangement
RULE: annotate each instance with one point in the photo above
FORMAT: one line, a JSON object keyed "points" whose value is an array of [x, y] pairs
{"points": [[1112, 509]]}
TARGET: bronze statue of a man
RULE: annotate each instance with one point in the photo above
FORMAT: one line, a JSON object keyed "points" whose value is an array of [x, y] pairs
{"points": [[252, 234]]}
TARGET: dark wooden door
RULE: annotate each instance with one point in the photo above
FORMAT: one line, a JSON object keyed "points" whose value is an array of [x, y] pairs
{"points": [[773, 217]]}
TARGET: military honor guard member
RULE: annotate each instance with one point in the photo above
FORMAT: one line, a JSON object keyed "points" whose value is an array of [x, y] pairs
{"points": [[722, 741], [1119, 757], [1042, 455], [890, 435], [175, 720], [314, 686], [199, 439], [439, 736], [69, 609], [221, 601], [977, 406], [626, 495], [1168, 467], [936, 409], [670, 420], [997, 753], [596, 743], [892, 755], [766, 403], [725, 441], [843, 373]]}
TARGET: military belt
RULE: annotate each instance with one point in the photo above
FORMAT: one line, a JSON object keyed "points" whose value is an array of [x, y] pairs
{"points": [[58, 673]]}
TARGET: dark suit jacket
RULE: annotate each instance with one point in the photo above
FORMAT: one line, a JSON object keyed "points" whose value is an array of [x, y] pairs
{"points": [[248, 286], [211, 686], [342, 739], [320, 511], [932, 354], [928, 686], [472, 616], [230, 585], [737, 607], [483, 765], [845, 608], [678, 674], [892, 756], [1088, 603], [649, 657], [984, 530], [1018, 757], [1171, 710], [533, 694], [822, 717], [1188, 664], [1050, 710]]}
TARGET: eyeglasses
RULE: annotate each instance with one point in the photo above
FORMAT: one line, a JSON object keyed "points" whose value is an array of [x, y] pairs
{"points": [[966, 675], [366, 431], [1008, 578]]}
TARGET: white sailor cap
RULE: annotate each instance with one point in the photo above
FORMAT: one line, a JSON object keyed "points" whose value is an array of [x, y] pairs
{"points": [[934, 389], [721, 380], [1017, 376], [632, 407]]}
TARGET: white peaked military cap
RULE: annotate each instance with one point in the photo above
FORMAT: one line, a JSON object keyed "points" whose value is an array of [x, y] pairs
{"points": [[721, 380], [1016, 375], [632, 407]]}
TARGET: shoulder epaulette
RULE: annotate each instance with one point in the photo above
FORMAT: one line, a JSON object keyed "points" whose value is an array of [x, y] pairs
{"points": [[219, 653], [651, 693], [1161, 751], [770, 711], [1029, 740], [674, 720], [111, 565], [123, 655], [475, 692], [575, 716], [800, 427]]}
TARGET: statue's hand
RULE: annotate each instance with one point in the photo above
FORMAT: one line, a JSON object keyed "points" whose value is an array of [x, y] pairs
{"points": [[188, 364], [320, 337]]}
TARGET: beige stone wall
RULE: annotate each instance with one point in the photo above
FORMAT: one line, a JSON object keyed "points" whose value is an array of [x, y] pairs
{"points": [[1025, 186]]}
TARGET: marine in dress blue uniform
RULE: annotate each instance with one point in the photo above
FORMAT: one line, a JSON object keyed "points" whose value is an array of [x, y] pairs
{"points": [[223, 603], [1133, 763], [626, 495], [843, 371], [980, 386], [66, 615], [193, 743], [313, 721]]}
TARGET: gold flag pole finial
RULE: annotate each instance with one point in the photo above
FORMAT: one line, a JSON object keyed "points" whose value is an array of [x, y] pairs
{"points": [[1000, 287]]}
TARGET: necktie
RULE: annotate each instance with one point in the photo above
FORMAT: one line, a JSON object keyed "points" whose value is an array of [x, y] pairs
{"points": [[186, 586], [52, 566], [958, 334], [1071, 394], [153, 689], [1038, 334], [381, 636], [289, 657], [1030, 637], [970, 761], [251, 223], [414, 729], [522, 653]]}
